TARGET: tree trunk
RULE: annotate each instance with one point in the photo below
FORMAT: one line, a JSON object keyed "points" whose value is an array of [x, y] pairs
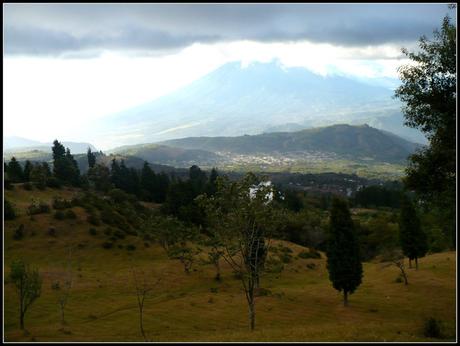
{"points": [[345, 298], [252, 315], [21, 320], [62, 315], [218, 271], [141, 323], [416, 263]]}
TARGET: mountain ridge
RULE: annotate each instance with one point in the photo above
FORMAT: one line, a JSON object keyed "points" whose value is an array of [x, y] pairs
{"points": [[234, 100]]}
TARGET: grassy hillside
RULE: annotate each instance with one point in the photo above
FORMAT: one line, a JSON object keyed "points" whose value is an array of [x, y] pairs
{"points": [[300, 304], [352, 141]]}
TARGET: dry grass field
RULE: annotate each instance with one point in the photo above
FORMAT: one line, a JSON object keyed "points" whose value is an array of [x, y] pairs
{"points": [[299, 303]]}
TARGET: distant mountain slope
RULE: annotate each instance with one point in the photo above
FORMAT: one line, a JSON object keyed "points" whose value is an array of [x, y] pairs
{"points": [[168, 155], [19, 144], [235, 100], [353, 141], [82, 160]]}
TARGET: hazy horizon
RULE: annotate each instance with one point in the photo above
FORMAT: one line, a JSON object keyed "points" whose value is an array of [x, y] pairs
{"points": [[75, 64]]}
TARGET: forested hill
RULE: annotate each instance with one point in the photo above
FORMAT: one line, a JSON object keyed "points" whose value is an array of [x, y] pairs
{"points": [[353, 141]]}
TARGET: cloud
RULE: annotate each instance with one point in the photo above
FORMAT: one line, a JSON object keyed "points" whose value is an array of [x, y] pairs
{"points": [[57, 29]]}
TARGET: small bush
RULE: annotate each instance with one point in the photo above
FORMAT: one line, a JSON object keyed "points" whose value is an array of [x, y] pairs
{"points": [[93, 219], [311, 266], [130, 247], [146, 244], [432, 328], [92, 231], [118, 195], [70, 214], [9, 213], [19, 233], [311, 253], [55, 285], [52, 231], [285, 257], [108, 231], [7, 184], [273, 266], [399, 279], [285, 249], [53, 183], [27, 186], [119, 234], [61, 203], [107, 245], [38, 207], [59, 215]]}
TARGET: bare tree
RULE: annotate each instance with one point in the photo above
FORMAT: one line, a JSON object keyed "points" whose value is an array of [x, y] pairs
{"points": [[396, 257], [67, 286], [143, 287], [28, 283]]}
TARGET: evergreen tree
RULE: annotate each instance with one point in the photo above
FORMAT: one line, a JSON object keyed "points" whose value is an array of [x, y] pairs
{"points": [[61, 169], [73, 167], [413, 239], [211, 186], [27, 168], [343, 255], [99, 177], [115, 174], [14, 170], [46, 169], [148, 180], [38, 176], [91, 158]]}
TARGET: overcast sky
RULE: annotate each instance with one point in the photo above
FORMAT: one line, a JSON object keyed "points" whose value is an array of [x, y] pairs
{"points": [[66, 64]]}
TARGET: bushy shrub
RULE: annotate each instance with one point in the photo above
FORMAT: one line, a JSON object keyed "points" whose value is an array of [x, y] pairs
{"points": [[119, 234], [432, 328], [70, 214], [311, 266], [19, 233], [38, 207], [273, 265], [311, 253], [93, 219], [9, 213], [52, 231], [285, 257], [61, 203], [59, 215], [27, 186], [130, 247], [107, 245], [285, 249], [108, 231], [7, 184], [118, 195], [92, 231], [53, 183]]}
